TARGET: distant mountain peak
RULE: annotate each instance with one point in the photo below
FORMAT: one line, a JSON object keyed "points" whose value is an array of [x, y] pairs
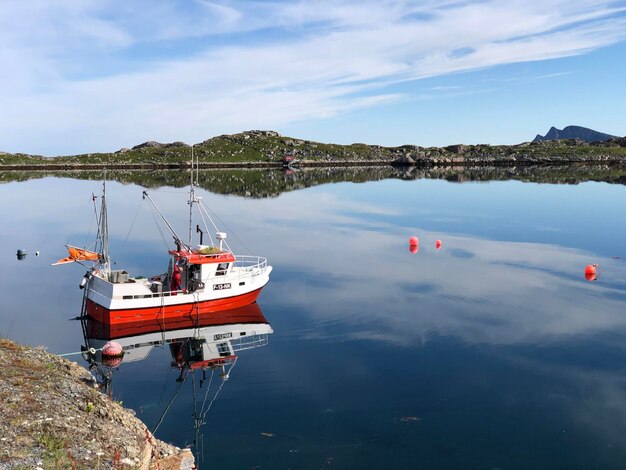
{"points": [[574, 132]]}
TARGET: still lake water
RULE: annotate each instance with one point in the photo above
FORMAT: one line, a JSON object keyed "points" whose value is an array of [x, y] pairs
{"points": [[493, 352]]}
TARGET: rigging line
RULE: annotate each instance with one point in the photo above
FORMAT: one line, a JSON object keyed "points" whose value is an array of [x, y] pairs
{"points": [[215, 226], [169, 226], [169, 405], [159, 229], [162, 316], [201, 206], [97, 217], [193, 394], [196, 297], [91, 223], [206, 394], [83, 265], [196, 425], [228, 228], [165, 382], [218, 391], [206, 227], [133, 223]]}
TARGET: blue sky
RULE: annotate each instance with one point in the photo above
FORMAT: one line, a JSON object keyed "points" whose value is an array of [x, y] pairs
{"points": [[100, 75]]}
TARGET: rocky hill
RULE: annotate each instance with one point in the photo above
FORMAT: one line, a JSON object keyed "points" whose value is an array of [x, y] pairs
{"points": [[575, 132], [268, 149]]}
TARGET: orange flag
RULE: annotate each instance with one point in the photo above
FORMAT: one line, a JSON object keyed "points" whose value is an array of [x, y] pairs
{"points": [[77, 254]]}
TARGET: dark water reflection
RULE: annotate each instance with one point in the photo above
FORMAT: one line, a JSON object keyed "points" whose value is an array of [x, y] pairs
{"points": [[261, 183], [493, 352]]}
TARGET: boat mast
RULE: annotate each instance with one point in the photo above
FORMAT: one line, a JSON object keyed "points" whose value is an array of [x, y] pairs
{"points": [[105, 257], [191, 197]]}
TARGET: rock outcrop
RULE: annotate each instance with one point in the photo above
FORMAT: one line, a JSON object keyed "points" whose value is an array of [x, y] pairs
{"points": [[52, 416], [159, 145]]}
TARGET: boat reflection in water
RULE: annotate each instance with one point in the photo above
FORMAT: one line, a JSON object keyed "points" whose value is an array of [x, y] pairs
{"points": [[199, 345]]}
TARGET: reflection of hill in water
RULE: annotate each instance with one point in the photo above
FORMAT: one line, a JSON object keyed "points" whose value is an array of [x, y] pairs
{"points": [[261, 183]]}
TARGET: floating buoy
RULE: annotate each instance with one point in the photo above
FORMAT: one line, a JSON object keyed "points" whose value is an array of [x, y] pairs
{"points": [[112, 350], [591, 272], [414, 248], [36, 253], [438, 244], [414, 241]]}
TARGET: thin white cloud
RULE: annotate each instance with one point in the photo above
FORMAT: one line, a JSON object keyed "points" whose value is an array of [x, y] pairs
{"points": [[102, 76]]}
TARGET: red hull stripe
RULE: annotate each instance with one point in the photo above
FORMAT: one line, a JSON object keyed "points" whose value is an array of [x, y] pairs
{"points": [[249, 314], [192, 309]]}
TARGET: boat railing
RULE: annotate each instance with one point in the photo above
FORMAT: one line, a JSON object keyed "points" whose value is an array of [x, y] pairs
{"points": [[249, 342], [248, 262]]}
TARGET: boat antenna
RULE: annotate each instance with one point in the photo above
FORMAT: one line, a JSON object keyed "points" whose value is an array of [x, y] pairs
{"points": [[177, 239]]}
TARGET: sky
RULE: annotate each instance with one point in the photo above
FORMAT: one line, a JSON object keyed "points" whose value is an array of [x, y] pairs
{"points": [[96, 76]]}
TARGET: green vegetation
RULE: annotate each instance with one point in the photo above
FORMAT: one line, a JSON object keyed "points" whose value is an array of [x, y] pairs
{"points": [[52, 417], [54, 456], [90, 407], [269, 148]]}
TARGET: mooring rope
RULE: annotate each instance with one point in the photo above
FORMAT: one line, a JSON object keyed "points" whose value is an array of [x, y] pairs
{"points": [[90, 351]]}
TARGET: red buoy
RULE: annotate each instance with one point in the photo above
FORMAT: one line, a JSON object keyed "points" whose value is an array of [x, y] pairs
{"points": [[591, 272], [438, 244], [414, 248], [112, 349], [414, 241]]}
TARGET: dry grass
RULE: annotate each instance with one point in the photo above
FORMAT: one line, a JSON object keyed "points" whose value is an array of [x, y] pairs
{"points": [[9, 345]]}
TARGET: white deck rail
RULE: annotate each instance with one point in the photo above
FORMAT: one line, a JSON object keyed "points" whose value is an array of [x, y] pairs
{"points": [[250, 262]]}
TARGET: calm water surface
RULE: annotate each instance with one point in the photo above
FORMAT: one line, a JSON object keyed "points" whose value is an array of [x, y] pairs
{"points": [[493, 352]]}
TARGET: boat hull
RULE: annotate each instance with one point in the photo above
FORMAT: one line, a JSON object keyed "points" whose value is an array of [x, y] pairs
{"points": [[215, 308], [247, 315]]}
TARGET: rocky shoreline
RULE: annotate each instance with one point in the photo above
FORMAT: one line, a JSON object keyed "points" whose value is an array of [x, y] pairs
{"points": [[53, 416], [267, 149]]}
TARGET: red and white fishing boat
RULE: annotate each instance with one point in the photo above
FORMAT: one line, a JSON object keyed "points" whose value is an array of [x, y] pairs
{"points": [[200, 280]]}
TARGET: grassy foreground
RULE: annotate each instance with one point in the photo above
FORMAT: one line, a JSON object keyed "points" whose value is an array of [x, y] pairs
{"points": [[52, 417]]}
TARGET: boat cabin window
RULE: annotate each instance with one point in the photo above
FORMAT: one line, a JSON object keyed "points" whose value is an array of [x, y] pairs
{"points": [[222, 268]]}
